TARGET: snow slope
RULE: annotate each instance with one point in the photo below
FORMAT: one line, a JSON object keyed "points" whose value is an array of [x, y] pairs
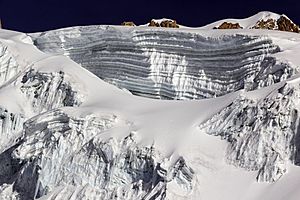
{"points": [[68, 134]]}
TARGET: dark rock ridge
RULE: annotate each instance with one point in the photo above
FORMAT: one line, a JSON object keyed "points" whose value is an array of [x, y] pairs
{"points": [[228, 25], [268, 24], [128, 24], [282, 24], [164, 23]]}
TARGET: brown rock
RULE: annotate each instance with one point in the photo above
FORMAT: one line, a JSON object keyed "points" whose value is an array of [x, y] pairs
{"points": [[228, 25], [284, 24], [268, 24], [153, 23], [169, 24], [128, 24], [165, 23]]}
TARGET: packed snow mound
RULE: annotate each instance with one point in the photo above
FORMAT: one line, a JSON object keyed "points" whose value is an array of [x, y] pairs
{"points": [[67, 134]]}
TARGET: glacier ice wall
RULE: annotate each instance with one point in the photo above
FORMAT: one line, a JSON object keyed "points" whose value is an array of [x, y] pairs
{"points": [[44, 149], [62, 150], [47, 90], [8, 65], [42, 91], [51, 154], [169, 64], [11, 125], [263, 134]]}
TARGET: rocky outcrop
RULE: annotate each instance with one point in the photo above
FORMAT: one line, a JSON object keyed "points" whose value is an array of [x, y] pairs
{"points": [[169, 24], [128, 24], [154, 23], [282, 24], [265, 24], [229, 25], [164, 23], [285, 24]]}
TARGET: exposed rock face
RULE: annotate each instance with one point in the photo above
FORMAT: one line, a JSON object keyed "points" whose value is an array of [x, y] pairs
{"points": [[164, 23], [262, 135], [154, 23], [268, 24], [228, 25], [169, 24], [284, 24], [128, 24]]}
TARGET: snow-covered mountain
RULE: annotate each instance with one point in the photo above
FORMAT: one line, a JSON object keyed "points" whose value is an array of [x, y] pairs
{"points": [[112, 112], [262, 20]]}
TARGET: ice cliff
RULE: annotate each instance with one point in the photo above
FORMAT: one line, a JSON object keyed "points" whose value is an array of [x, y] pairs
{"points": [[169, 65], [68, 133]]}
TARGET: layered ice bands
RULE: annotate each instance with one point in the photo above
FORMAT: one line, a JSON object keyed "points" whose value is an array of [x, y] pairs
{"points": [[167, 64]]}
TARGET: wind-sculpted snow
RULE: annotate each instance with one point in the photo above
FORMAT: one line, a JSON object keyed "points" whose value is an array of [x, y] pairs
{"points": [[60, 150], [169, 64], [262, 134]]}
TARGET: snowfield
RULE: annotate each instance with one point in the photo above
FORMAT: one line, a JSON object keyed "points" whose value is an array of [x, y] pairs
{"points": [[110, 112]]}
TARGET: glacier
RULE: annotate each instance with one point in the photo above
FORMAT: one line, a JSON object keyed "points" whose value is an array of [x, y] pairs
{"points": [[110, 112], [169, 65]]}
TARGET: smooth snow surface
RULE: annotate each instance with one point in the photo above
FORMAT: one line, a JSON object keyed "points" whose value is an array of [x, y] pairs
{"points": [[81, 115]]}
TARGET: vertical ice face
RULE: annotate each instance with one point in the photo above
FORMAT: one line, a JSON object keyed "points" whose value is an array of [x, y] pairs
{"points": [[46, 91], [64, 150], [11, 126], [8, 65], [169, 64], [262, 134]]}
